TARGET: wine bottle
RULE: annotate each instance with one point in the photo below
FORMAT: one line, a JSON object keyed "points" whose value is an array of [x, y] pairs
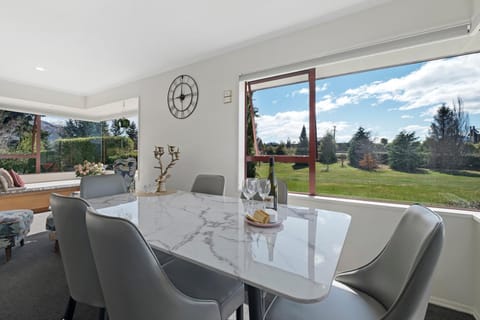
{"points": [[273, 182]]}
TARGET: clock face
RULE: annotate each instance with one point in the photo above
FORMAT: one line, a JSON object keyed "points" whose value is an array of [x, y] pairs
{"points": [[182, 96]]}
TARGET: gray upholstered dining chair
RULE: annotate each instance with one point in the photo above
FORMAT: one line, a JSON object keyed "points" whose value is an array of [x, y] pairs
{"points": [[210, 184], [101, 186], [134, 283], [78, 263], [394, 286], [109, 185]]}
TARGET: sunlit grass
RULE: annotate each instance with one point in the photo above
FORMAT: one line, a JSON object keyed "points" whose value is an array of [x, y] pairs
{"points": [[429, 187]]}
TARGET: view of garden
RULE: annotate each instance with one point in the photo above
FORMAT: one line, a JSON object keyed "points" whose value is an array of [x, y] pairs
{"points": [[403, 134], [64, 143]]}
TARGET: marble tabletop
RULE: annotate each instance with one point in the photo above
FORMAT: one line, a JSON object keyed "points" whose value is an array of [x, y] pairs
{"points": [[296, 260]]}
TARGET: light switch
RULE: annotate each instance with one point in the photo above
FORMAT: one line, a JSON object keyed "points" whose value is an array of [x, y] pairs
{"points": [[227, 96]]}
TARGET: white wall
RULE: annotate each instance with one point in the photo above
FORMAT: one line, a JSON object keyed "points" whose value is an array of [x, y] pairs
{"points": [[208, 139]]}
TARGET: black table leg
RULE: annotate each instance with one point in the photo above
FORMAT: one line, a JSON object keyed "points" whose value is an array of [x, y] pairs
{"points": [[255, 305]]}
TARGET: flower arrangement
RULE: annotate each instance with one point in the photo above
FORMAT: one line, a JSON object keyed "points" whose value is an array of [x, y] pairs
{"points": [[89, 169]]}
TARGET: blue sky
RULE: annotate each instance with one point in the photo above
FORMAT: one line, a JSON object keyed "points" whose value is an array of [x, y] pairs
{"points": [[383, 101]]}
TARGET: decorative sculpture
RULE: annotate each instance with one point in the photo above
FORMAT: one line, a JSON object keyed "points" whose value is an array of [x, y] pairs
{"points": [[158, 153]]}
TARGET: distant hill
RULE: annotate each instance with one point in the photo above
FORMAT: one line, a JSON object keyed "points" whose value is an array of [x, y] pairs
{"points": [[54, 130], [9, 137]]}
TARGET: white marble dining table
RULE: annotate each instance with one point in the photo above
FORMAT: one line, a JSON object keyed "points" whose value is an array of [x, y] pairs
{"points": [[296, 259]]}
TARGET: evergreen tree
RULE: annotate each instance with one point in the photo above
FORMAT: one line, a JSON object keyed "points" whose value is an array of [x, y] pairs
{"points": [[132, 133], [302, 146], [359, 146], [447, 137], [403, 152], [327, 149]]}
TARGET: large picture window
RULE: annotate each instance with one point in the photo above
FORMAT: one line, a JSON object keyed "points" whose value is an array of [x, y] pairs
{"points": [[406, 134], [32, 143]]}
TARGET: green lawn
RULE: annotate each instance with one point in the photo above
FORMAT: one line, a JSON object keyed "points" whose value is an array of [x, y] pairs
{"points": [[429, 187]]}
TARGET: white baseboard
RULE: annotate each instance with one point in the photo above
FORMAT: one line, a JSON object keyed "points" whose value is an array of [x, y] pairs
{"points": [[455, 306]]}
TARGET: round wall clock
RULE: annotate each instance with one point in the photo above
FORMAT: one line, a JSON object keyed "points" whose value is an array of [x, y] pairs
{"points": [[182, 96]]}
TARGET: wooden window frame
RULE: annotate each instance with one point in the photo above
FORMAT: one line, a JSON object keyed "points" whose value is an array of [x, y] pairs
{"points": [[311, 158]]}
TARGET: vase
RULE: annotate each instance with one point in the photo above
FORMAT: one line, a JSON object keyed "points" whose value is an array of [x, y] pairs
{"points": [[162, 187]]}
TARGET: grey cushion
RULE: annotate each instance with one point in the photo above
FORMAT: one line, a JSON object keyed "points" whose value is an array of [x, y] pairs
{"points": [[201, 283], [342, 303]]}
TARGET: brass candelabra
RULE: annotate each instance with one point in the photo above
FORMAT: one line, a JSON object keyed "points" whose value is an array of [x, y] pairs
{"points": [[158, 152]]}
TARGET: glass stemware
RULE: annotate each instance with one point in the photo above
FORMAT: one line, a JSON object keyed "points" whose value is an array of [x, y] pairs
{"points": [[249, 189], [263, 188]]}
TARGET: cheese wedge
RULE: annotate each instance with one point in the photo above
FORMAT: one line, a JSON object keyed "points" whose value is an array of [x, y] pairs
{"points": [[261, 216]]}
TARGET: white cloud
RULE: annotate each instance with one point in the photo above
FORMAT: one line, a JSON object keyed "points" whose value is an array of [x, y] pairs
{"points": [[324, 87], [436, 82], [281, 126], [300, 91], [406, 116], [326, 104]]}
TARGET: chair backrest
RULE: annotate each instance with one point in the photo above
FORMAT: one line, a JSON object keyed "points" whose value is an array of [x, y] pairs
{"points": [[126, 168], [282, 192], [133, 281], [101, 186], [209, 183], [400, 276], [80, 272]]}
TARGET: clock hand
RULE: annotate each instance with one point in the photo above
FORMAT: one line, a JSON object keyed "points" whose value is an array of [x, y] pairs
{"points": [[183, 96]]}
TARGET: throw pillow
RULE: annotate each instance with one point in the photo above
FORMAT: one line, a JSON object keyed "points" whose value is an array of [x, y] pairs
{"points": [[17, 180], [4, 173], [3, 184]]}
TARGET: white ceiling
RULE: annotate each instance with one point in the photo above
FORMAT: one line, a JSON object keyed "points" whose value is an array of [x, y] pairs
{"points": [[92, 45]]}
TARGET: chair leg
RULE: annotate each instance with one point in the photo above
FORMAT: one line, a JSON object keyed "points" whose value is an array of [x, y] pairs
{"points": [[239, 313], [56, 248], [8, 253], [102, 315], [70, 309]]}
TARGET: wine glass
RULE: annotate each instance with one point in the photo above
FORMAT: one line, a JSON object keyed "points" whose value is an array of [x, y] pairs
{"points": [[249, 188], [263, 188]]}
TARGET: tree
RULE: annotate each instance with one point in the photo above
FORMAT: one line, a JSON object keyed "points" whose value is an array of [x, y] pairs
{"points": [[327, 150], [80, 128], [342, 158], [281, 149], [289, 144], [403, 152], [132, 133], [302, 146], [359, 146], [447, 137]]}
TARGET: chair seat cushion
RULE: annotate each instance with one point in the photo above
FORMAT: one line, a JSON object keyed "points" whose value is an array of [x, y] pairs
{"points": [[201, 283], [342, 303]]}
